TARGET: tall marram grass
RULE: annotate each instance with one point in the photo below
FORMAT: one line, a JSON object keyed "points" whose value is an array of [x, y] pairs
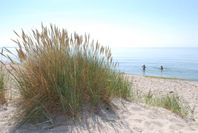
{"points": [[62, 72], [2, 85]]}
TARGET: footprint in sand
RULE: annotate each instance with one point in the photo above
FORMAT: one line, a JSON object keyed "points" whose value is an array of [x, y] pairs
{"points": [[137, 130], [157, 123], [176, 126], [134, 108], [151, 125], [138, 120]]}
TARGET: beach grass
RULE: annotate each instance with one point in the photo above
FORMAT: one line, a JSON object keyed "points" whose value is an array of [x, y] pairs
{"points": [[170, 102], [61, 72], [2, 85]]}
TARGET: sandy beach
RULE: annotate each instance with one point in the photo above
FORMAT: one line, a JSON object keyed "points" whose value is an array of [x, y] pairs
{"points": [[125, 117], [105, 66]]}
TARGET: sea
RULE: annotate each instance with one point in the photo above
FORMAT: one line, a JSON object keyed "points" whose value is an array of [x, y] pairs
{"points": [[177, 62]]}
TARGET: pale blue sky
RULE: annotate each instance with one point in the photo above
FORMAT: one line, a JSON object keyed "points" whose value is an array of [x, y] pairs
{"points": [[131, 23]]}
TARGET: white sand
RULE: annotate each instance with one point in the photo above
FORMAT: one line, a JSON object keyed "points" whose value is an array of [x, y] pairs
{"points": [[128, 117]]}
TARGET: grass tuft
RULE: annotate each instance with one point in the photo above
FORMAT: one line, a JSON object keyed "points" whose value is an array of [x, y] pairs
{"points": [[60, 72], [170, 102]]}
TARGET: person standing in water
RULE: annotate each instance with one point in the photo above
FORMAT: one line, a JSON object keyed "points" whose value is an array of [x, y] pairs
{"points": [[143, 69], [161, 68]]}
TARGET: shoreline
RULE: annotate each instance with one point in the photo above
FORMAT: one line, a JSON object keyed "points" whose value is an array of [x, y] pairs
{"points": [[160, 77]]}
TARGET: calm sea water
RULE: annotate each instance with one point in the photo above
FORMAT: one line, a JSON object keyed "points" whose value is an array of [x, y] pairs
{"points": [[177, 62]]}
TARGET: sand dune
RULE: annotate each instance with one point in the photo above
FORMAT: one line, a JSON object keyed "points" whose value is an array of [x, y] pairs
{"points": [[127, 117]]}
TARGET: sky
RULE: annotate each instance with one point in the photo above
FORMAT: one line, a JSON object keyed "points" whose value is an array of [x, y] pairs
{"points": [[115, 23]]}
